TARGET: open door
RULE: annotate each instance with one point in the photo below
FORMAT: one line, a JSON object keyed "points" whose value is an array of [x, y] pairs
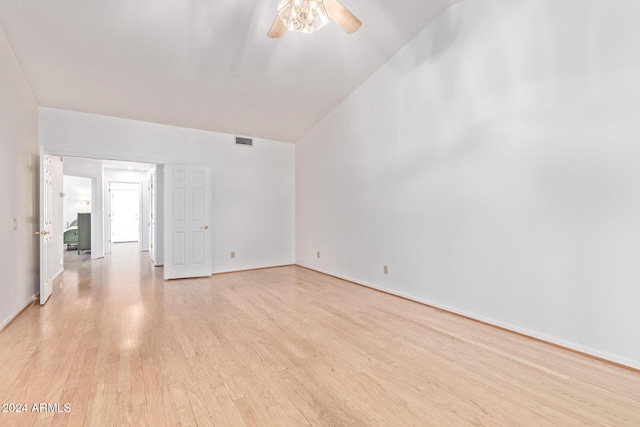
{"points": [[187, 248], [108, 224], [46, 223], [151, 175]]}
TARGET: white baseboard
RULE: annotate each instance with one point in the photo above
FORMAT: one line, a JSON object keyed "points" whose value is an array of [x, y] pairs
{"points": [[15, 314], [55, 276], [252, 269], [635, 364]]}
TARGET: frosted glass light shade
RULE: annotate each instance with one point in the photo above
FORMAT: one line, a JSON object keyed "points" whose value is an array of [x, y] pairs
{"points": [[306, 16]]}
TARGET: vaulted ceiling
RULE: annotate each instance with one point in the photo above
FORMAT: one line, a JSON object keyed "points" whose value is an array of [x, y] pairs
{"points": [[204, 64]]}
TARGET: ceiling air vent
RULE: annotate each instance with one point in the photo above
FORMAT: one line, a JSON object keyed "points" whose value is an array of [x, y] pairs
{"points": [[244, 141]]}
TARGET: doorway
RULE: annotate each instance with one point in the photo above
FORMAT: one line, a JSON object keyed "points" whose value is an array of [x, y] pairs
{"points": [[126, 210], [76, 213], [88, 196], [106, 173]]}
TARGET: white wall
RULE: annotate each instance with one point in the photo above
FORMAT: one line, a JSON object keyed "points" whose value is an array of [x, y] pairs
{"points": [[493, 165], [138, 177], [94, 170], [18, 192], [252, 187]]}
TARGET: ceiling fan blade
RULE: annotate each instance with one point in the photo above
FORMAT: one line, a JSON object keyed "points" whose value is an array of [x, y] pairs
{"points": [[342, 16], [277, 28]]}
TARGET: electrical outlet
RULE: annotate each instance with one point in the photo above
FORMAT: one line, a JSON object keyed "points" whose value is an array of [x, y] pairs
{"points": [[318, 254], [233, 254], [385, 268], [15, 223]]}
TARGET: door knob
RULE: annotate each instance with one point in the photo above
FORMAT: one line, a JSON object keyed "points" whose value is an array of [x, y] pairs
{"points": [[42, 233], [204, 227]]}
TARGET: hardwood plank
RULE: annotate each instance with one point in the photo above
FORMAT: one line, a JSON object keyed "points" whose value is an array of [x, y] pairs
{"points": [[284, 346], [185, 412], [199, 403]]}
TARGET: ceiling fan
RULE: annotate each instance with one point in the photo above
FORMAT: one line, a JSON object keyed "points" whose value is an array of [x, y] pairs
{"points": [[309, 15]]}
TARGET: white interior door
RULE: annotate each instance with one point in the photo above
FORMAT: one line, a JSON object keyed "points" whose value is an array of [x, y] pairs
{"points": [[187, 241], [152, 216], [45, 225], [125, 212], [107, 223]]}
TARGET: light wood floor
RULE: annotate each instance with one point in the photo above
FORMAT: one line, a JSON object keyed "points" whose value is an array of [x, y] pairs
{"points": [[284, 346]]}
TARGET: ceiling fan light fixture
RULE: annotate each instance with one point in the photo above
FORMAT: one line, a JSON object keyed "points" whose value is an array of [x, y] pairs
{"points": [[306, 16]]}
